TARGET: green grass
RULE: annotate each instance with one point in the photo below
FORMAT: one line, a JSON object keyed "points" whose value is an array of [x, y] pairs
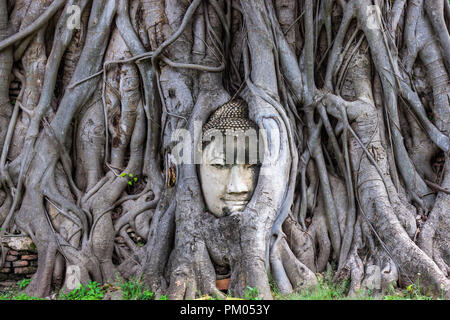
{"points": [[91, 291], [328, 290], [412, 292], [21, 296], [132, 290], [14, 292], [136, 290], [23, 283], [252, 294], [324, 291]]}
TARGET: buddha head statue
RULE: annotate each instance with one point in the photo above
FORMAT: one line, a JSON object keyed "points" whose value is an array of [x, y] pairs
{"points": [[229, 168]]}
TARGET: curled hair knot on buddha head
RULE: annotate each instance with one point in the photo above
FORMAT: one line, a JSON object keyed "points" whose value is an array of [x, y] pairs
{"points": [[231, 116]]}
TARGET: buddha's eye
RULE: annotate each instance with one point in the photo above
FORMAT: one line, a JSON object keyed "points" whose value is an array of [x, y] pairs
{"points": [[218, 165]]}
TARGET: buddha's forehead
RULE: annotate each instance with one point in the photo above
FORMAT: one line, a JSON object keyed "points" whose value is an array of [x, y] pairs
{"points": [[233, 149], [214, 149]]}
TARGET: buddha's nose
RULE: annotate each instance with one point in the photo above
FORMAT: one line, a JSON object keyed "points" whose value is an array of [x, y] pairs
{"points": [[236, 183]]}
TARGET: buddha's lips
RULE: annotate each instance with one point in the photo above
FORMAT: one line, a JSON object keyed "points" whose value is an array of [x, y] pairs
{"points": [[244, 196], [236, 201]]}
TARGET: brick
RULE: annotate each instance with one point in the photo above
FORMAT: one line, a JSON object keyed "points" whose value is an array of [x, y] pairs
{"points": [[5, 270], [20, 263], [13, 253], [25, 270], [11, 258], [29, 257], [223, 284]]}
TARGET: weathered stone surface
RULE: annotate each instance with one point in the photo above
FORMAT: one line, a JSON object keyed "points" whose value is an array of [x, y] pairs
{"points": [[372, 280], [11, 258], [19, 243]]}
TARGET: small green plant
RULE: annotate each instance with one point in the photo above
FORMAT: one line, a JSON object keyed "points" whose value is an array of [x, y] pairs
{"points": [[131, 179], [23, 283], [13, 295], [136, 290], [91, 291], [23, 296], [252, 294], [5, 296], [214, 297], [412, 292], [273, 286], [327, 289], [163, 297]]}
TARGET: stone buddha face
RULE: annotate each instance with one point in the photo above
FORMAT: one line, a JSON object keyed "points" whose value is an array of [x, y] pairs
{"points": [[229, 169]]}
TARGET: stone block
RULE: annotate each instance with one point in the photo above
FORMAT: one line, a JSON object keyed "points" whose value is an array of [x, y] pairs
{"points": [[20, 263], [19, 243], [11, 258], [25, 270], [29, 257]]}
